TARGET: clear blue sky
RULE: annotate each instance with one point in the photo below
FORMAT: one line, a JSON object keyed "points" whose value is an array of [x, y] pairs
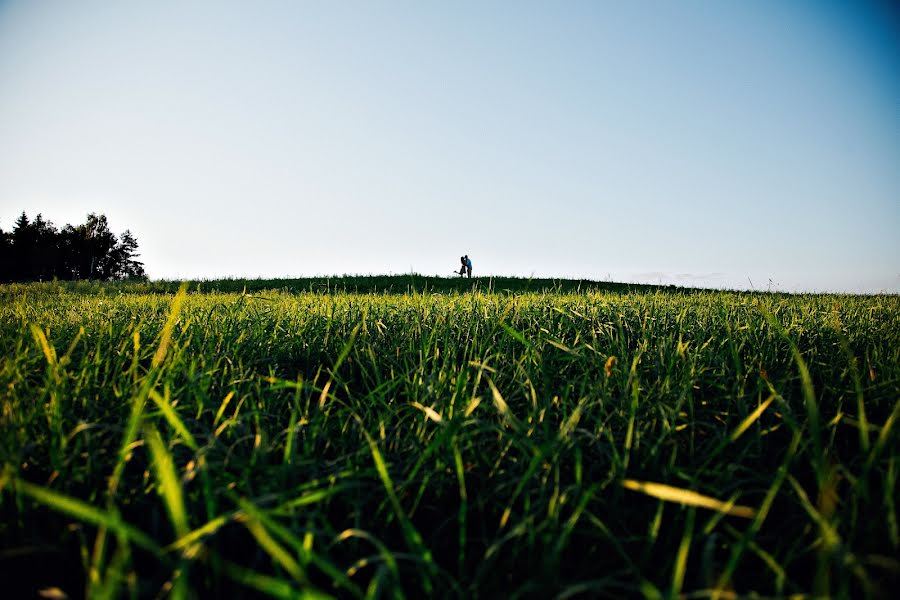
{"points": [[705, 143]]}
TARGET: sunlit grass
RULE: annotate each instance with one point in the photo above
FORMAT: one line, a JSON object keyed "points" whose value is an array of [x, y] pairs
{"points": [[457, 439]]}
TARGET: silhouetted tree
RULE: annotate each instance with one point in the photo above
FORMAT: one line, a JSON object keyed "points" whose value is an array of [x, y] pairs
{"points": [[126, 252], [43, 258], [6, 258], [37, 250], [22, 243]]}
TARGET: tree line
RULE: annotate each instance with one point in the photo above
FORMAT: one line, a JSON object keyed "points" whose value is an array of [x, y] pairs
{"points": [[36, 250]]}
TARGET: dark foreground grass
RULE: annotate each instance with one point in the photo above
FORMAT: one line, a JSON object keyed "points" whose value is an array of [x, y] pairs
{"points": [[478, 444]]}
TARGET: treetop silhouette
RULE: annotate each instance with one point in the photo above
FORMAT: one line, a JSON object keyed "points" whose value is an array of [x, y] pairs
{"points": [[35, 250]]}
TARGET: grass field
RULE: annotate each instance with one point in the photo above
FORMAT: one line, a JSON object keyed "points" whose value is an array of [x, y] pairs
{"points": [[378, 437]]}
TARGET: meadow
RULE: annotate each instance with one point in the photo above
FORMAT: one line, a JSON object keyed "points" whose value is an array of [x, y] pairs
{"points": [[403, 437]]}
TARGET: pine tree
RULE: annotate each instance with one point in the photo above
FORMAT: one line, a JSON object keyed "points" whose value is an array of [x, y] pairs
{"points": [[23, 246], [127, 251]]}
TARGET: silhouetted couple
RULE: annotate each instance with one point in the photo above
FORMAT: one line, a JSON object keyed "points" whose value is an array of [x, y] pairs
{"points": [[466, 268]]}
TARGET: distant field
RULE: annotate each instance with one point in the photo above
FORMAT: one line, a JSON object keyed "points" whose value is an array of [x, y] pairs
{"points": [[406, 437], [362, 284]]}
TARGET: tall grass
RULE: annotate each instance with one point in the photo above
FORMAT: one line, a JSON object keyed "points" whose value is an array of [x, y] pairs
{"points": [[487, 443]]}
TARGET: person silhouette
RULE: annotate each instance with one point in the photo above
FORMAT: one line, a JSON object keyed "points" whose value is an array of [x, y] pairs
{"points": [[468, 264], [462, 269]]}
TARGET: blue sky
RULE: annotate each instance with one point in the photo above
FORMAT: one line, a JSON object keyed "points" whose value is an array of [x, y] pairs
{"points": [[697, 143]]}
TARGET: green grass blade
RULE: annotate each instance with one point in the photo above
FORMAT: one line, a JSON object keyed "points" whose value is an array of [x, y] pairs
{"points": [[750, 420], [275, 550], [273, 587], [168, 481], [86, 513], [412, 536], [165, 338], [172, 418]]}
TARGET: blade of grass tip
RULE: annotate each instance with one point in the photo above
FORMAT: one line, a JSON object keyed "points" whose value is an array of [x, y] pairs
{"points": [[198, 534], [373, 591], [429, 412], [410, 533], [345, 351], [342, 356], [829, 537], [135, 418], [139, 400], [502, 407], [310, 497], [682, 555], [165, 337], [515, 334], [172, 418], [108, 586], [222, 407], [650, 591], [632, 410], [688, 497], [857, 385], [883, 435], [473, 404], [324, 395], [717, 517], [136, 353], [569, 425], [255, 523], [809, 396], [274, 587], [751, 418], [390, 562], [386, 555], [41, 339], [55, 412], [67, 357], [655, 524], [287, 456], [86, 513], [303, 549], [98, 557], [168, 481]]}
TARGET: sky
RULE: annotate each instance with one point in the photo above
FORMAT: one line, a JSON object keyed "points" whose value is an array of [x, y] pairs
{"points": [[700, 143]]}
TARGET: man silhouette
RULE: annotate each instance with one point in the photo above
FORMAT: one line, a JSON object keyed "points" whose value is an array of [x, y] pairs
{"points": [[468, 264]]}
